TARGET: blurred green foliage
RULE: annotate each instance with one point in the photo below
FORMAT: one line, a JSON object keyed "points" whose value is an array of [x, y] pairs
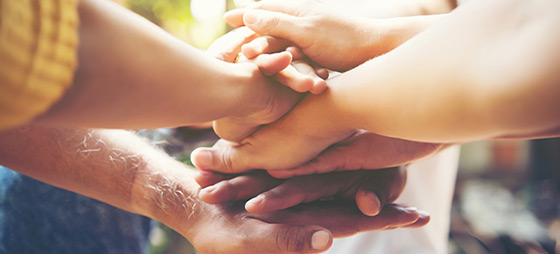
{"points": [[161, 11], [176, 17]]}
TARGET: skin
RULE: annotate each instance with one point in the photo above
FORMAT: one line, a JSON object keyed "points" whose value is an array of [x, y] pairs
{"points": [[487, 89], [370, 189], [321, 29], [133, 75], [121, 169], [299, 75]]}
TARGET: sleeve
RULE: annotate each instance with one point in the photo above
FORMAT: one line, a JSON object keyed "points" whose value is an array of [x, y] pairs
{"points": [[38, 55]]}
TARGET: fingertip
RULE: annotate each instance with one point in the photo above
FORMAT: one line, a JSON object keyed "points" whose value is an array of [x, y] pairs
{"points": [[304, 85], [202, 179], [256, 205], [368, 203], [423, 219], [206, 178], [399, 216], [321, 240], [207, 195], [251, 50], [234, 17], [322, 73], [218, 193], [319, 86], [295, 51], [271, 64], [409, 215], [202, 158]]}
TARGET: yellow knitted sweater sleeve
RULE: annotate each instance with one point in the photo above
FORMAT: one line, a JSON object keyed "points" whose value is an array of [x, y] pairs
{"points": [[38, 44]]}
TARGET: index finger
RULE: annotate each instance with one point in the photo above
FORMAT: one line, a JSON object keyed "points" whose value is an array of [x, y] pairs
{"points": [[227, 47], [344, 221], [235, 17]]}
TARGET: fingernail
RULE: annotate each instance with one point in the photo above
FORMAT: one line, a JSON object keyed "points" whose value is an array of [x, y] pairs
{"points": [[320, 240], [252, 49], [249, 51], [319, 86], [255, 201], [208, 190], [410, 209], [250, 18], [202, 159], [376, 202], [423, 214]]}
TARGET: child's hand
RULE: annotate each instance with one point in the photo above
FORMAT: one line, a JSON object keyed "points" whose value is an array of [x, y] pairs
{"points": [[371, 189], [272, 100], [273, 60]]}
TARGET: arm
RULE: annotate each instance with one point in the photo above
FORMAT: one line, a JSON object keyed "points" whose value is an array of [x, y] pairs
{"points": [[132, 74], [121, 169], [468, 77], [445, 73], [463, 79]]}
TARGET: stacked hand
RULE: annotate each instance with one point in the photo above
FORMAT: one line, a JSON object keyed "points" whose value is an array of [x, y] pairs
{"points": [[286, 152], [296, 76], [370, 188]]}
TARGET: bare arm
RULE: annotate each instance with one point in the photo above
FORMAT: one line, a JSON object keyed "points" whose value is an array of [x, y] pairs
{"points": [[121, 169], [132, 74], [463, 79], [489, 69]]}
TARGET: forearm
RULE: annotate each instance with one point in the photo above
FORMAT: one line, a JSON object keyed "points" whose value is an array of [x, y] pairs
{"points": [[132, 74], [467, 77], [113, 166]]}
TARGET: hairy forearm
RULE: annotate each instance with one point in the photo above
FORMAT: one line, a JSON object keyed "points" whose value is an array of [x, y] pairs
{"points": [[113, 166], [467, 77], [132, 74]]}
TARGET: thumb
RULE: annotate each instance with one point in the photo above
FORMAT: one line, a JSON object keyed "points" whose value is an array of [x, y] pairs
{"points": [[368, 202], [276, 24], [271, 64], [225, 160], [384, 189]]}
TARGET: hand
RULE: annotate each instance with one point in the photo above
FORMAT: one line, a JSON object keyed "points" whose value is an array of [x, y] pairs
{"points": [[370, 189], [266, 104], [298, 76], [167, 192], [297, 154], [363, 150], [332, 40], [308, 228], [273, 61]]}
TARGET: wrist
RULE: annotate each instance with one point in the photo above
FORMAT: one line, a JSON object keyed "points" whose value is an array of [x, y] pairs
{"points": [[244, 82], [165, 191], [329, 121]]}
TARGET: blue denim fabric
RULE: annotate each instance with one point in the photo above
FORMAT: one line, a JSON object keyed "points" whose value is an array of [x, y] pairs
{"points": [[39, 218]]}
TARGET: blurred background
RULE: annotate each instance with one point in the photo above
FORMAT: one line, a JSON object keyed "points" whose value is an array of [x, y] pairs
{"points": [[507, 193]]}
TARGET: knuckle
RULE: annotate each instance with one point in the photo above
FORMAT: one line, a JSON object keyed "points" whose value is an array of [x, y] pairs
{"points": [[291, 240], [227, 161], [271, 23]]}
